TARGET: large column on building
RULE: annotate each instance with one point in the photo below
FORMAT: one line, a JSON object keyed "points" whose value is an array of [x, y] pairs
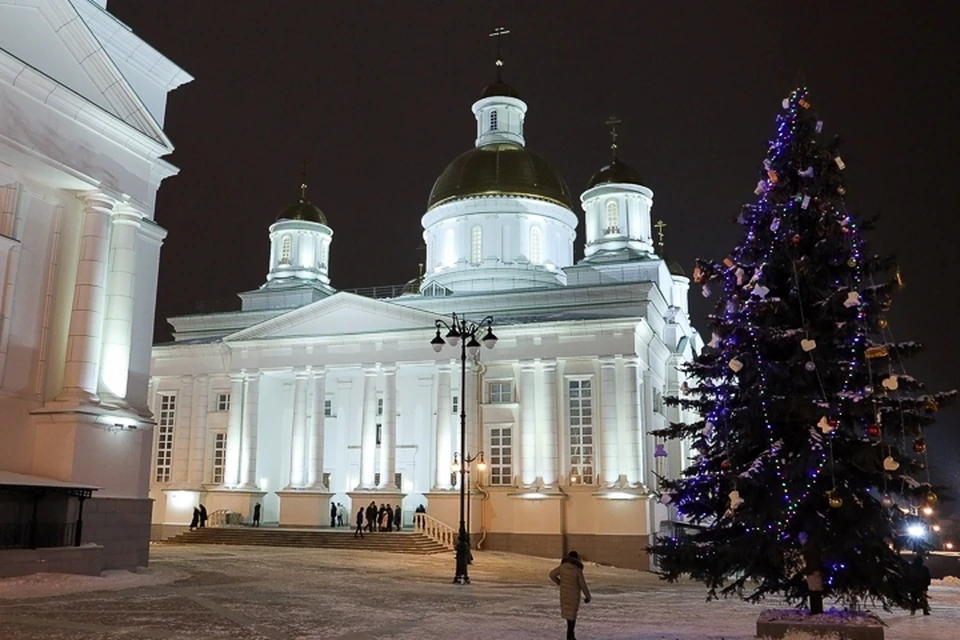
{"points": [[444, 440], [315, 432], [630, 425], [183, 433], [548, 427], [85, 335], [610, 438], [528, 423], [248, 439], [388, 437], [198, 461], [118, 321], [298, 439], [471, 402], [368, 429], [231, 473]]}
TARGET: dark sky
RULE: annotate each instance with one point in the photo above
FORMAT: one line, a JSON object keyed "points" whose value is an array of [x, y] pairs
{"points": [[377, 95]]}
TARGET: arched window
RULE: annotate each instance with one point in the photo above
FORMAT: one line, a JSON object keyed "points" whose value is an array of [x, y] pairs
{"points": [[286, 248], [476, 244], [536, 254], [493, 120], [613, 218]]}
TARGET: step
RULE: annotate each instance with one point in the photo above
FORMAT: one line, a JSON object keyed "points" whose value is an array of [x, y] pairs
{"points": [[393, 542]]}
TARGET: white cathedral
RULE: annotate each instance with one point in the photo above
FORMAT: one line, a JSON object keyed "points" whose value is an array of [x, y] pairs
{"points": [[309, 395]]}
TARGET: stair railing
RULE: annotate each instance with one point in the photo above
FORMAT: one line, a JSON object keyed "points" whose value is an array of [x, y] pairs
{"points": [[219, 518], [435, 530]]}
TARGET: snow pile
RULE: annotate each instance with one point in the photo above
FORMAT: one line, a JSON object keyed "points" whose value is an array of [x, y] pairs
{"points": [[949, 581], [39, 585]]}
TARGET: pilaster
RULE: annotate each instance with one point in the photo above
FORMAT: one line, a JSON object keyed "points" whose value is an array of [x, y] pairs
{"points": [[368, 428], [444, 453], [526, 396], [388, 440]]}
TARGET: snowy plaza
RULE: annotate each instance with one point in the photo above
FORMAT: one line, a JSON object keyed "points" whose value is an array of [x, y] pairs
{"points": [[272, 594]]}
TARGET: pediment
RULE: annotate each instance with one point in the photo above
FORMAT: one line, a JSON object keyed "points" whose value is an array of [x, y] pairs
{"points": [[53, 38], [341, 314]]}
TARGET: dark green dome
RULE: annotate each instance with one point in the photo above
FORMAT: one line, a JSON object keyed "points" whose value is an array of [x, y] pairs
{"points": [[675, 268], [499, 88], [499, 169], [303, 210], [615, 173]]}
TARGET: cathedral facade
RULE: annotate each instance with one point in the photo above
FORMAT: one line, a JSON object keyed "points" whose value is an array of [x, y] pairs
{"points": [[309, 395]]}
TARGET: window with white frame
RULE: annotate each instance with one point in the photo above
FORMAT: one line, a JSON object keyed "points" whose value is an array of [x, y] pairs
{"points": [[397, 480], [501, 456], [328, 407], [166, 418], [476, 244], [536, 249], [455, 404], [501, 392], [219, 457], [286, 249], [613, 218], [580, 406], [326, 479], [493, 120], [223, 402], [657, 401]]}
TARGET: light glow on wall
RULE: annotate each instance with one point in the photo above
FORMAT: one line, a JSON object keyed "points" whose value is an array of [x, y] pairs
{"points": [[181, 499]]}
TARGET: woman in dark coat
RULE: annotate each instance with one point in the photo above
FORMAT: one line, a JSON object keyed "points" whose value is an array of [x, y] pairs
{"points": [[569, 575], [195, 521]]}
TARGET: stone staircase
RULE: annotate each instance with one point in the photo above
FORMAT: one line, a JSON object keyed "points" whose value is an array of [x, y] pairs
{"points": [[393, 542]]}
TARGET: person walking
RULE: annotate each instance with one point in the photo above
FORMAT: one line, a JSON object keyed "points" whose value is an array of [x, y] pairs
{"points": [[398, 517], [333, 514], [195, 521], [341, 514], [371, 516], [203, 516], [919, 578], [389, 518], [359, 530], [569, 575], [256, 515]]}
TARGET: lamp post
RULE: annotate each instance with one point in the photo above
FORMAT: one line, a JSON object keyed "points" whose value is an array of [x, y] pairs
{"points": [[481, 465], [463, 333]]}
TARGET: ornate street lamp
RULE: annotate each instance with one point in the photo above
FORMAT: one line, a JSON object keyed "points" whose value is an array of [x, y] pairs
{"points": [[462, 332]]}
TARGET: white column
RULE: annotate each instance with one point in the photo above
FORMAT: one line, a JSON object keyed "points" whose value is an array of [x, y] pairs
{"points": [[630, 425], [183, 433], [549, 427], [644, 420], [85, 336], [298, 436], [528, 424], [444, 440], [315, 431], [388, 437], [231, 471], [368, 429], [118, 321], [199, 462], [471, 402], [248, 439], [610, 464]]}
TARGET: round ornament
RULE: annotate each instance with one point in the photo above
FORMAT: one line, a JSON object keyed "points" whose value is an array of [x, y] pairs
{"points": [[932, 498], [851, 263], [725, 465], [796, 238], [835, 501], [868, 390], [887, 501], [873, 431], [882, 323], [919, 445], [809, 365]]}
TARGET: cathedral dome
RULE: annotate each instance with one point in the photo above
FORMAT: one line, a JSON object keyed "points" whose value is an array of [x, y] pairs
{"points": [[303, 210], [499, 169], [615, 172], [675, 268], [499, 88]]}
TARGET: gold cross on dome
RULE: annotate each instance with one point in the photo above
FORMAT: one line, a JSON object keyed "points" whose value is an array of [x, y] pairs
{"points": [[498, 33], [660, 226], [613, 121], [303, 180]]}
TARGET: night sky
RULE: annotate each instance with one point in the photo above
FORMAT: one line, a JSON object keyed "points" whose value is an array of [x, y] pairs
{"points": [[376, 96]]}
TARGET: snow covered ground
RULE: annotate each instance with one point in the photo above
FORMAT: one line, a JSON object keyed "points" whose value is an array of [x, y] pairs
{"points": [[253, 593]]}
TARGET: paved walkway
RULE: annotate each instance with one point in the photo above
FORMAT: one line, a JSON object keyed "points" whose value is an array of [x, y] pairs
{"points": [[255, 593]]}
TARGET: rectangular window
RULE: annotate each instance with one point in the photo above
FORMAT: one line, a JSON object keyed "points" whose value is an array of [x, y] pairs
{"points": [[326, 480], [223, 402], [657, 401], [379, 433], [454, 478], [501, 456], [328, 408], [581, 431], [455, 405], [166, 418], [379, 406], [501, 392], [397, 480], [219, 456]]}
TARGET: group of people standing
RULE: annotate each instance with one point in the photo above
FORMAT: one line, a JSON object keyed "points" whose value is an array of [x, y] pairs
{"points": [[199, 519], [338, 515], [372, 518]]}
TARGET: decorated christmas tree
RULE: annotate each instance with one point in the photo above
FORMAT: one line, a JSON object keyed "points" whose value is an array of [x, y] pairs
{"points": [[809, 468]]}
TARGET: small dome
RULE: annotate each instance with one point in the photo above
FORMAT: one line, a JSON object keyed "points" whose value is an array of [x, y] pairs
{"points": [[303, 210], [615, 172], [499, 169], [675, 268], [499, 88]]}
